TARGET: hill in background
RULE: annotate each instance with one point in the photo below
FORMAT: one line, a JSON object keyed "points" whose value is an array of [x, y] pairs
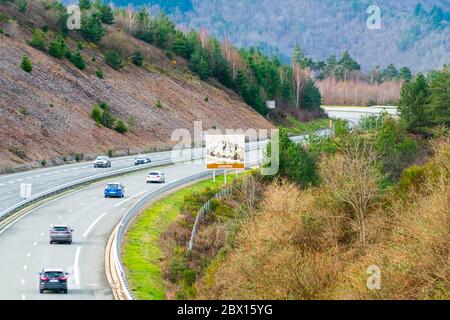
{"points": [[414, 33]]}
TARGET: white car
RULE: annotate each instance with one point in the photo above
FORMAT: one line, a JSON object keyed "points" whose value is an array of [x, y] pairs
{"points": [[156, 176], [102, 161], [142, 160]]}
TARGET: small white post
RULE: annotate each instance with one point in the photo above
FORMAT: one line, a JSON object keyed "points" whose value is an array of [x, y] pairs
{"points": [[225, 176], [236, 174], [214, 175]]}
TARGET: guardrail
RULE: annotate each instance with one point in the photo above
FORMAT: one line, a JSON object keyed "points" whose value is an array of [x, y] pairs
{"points": [[121, 289], [206, 208], [110, 174]]}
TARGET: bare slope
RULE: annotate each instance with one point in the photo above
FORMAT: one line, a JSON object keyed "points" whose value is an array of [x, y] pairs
{"points": [[59, 100]]}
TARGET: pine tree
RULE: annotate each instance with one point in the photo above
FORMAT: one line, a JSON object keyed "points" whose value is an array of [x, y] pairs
{"points": [[38, 40], [413, 103], [404, 73], [439, 106], [137, 58], [77, 60], [312, 99], [106, 14], [26, 64], [58, 48], [91, 27], [390, 73], [84, 4], [114, 60]]}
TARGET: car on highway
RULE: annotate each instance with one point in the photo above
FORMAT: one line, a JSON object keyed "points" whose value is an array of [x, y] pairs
{"points": [[142, 159], [54, 279], [156, 176], [61, 233], [102, 162], [114, 190]]}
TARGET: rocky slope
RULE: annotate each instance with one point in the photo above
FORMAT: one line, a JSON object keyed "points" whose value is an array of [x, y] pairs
{"points": [[45, 114]]}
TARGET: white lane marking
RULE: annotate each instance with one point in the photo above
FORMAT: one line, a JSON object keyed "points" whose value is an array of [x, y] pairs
{"points": [[70, 210], [42, 234], [23, 281], [25, 267], [28, 178], [93, 224], [35, 244], [24, 297], [128, 199], [95, 198], [19, 180], [76, 268], [1, 184], [29, 255], [82, 204], [10, 182], [60, 217]]}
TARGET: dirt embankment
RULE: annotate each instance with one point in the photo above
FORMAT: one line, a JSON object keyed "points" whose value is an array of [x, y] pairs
{"points": [[45, 114]]}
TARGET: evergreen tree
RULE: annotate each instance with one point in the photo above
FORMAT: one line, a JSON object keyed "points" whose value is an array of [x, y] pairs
{"points": [[413, 103], [107, 119], [91, 27], [38, 40], [312, 99], [439, 105], [390, 73], [26, 64], [120, 127], [199, 63], [106, 14], [77, 60], [404, 73], [114, 60], [137, 58], [84, 4], [58, 48], [179, 45]]}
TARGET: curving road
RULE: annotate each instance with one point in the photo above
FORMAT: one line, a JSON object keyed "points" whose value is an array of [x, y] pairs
{"points": [[24, 245]]}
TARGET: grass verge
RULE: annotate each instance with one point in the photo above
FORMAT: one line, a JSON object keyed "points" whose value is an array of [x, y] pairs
{"points": [[297, 127], [141, 254]]}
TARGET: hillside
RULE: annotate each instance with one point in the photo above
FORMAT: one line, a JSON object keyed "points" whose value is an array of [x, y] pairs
{"points": [[411, 35], [45, 114]]}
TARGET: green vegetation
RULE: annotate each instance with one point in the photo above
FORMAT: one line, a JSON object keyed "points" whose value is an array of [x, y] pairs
{"points": [[158, 104], [298, 128], [141, 254], [58, 48], [26, 64], [99, 73], [114, 60], [22, 5], [24, 111], [106, 14], [138, 58], [91, 27], [120, 127], [424, 102], [103, 116], [77, 60], [38, 40]]}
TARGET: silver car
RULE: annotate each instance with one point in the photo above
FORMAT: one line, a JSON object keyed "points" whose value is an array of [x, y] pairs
{"points": [[102, 162], [61, 233]]}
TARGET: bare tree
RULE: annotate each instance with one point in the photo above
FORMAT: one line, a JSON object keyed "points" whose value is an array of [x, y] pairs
{"points": [[299, 78], [131, 18], [352, 177], [203, 35], [249, 191]]}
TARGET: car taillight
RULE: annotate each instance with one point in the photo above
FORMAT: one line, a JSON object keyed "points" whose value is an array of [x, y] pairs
{"points": [[62, 278], [44, 278]]}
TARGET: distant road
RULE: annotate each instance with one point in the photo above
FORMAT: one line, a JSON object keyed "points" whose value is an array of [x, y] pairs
{"points": [[354, 114]]}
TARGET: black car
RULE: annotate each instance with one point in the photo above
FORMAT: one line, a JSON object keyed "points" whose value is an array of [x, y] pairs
{"points": [[54, 279]]}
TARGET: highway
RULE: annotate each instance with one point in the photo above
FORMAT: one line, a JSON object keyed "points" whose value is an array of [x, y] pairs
{"points": [[24, 245]]}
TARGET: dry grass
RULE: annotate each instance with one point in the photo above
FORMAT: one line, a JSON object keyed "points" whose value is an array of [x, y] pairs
{"points": [[300, 246]]}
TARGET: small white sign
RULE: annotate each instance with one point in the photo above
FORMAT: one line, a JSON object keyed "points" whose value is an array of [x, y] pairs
{"points": [[270, 104], [25, 190]]}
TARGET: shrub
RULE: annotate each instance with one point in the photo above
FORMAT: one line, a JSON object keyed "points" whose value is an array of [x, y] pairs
{"points": [[114, 60], [80, 45], [77, 60], [107, 119], [121, 127], [158, 104], [170, 55], [26, 64], [38, 40], [58, 48], [106, 14], [43, 162], [24, 111], [206, 99], [110, 153], [79, 157], [96, 114], [22, 5], [99, 73], [138, 58], [91, 27], [16, 150]]}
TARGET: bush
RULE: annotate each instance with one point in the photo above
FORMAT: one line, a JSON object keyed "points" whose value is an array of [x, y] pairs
{"points": [[99, 73], [138, 58], [38, 40], [91, 27], [22, 5], [24, 111], [114, 60], [26, 64], [58, 48], [16, 150], [121, 127], [77, 60], [96, 114], [158, 104], [107, 119], [106, 14]]}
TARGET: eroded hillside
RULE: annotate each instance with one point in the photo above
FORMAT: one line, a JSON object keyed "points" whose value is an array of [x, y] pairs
{"points": [[45, 114]]}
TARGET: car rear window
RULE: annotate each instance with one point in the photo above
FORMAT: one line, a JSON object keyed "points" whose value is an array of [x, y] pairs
{"points": [[60, 228], [112, 186], [102, 158], [154, 174], [53, 274]]}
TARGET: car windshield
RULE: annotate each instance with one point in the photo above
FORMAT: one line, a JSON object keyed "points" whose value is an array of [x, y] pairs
{"points": [[112, 186], [102, 158], [154, 174], [60, 228], [142, 158], [54, 274]]}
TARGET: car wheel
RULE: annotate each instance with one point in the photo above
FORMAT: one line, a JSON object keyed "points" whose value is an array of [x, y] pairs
{"points": [[65, 291], [41, 290], [70, 242], [51, 242]]}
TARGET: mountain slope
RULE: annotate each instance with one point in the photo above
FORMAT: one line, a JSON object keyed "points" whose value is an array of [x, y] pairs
{"points": [[418, 39], [45, 114]]}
